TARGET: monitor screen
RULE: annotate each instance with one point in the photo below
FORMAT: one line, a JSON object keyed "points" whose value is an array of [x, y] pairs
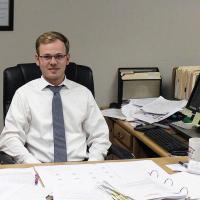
{"points": [[194, 100]]}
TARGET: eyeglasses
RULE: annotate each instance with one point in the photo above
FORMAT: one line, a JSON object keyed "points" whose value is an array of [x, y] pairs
{"points": [[57, 57]]}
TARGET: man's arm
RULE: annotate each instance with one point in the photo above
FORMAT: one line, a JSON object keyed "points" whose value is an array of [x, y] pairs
{"points": [[13, 136], [97, 130]]}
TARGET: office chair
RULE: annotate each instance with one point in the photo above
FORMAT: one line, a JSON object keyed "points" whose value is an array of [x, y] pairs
{"points": [[15, 77]]}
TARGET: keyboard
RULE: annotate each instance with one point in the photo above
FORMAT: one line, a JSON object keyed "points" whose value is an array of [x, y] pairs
{"points": [[167, 141]]}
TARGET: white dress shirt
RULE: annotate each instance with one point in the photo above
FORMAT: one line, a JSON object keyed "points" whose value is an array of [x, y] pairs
{"points": [[28, 131]]}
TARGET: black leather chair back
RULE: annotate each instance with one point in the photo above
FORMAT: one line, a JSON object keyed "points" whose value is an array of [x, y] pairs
{"points": [[15, 77]]}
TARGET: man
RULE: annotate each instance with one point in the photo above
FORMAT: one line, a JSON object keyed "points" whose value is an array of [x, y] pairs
{"points": [[28, 134]]}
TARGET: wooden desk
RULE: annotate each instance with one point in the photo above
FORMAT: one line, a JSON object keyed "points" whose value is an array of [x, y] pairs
{"points": [[161, 161], [124, 135]]}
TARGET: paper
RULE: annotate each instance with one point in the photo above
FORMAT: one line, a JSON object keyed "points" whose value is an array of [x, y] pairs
{"points": [[129, 110], [163, 106], [151, 188], [114, 113], [29, 192], [63, 181], [147, 109], [18, 184], [81, 182], [140, 184], [177, 167], [190, 181], [142, 102], [134, 106], [157, 110]]}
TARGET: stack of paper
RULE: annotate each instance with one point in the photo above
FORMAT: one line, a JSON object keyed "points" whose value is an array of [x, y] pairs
{"points": [[152, 110]]}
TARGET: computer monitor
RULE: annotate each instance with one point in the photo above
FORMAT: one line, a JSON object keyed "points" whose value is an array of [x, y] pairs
{"points": [[194, 100]]}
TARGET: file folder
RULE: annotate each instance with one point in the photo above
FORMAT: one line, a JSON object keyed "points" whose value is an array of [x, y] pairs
{"points": [[138, 82], [183, 81]]}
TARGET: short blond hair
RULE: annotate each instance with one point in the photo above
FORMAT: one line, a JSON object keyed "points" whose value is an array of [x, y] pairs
{"points": [[49, 37]]}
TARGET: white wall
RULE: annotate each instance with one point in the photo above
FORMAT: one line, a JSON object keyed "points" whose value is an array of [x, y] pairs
{"points": [[107, 34]]}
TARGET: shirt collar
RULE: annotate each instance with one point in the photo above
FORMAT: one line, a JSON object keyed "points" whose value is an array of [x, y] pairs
{"points": [[66, 82]]}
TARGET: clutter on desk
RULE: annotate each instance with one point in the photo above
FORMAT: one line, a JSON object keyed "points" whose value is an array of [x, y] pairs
{"points": [[117, 114], [115, 180], [155, 110], [113, 113], [184, 125], [149, 110]]}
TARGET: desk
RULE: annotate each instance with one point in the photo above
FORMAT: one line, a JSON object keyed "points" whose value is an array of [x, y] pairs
{"points": [[161, 161], [124, 135]]}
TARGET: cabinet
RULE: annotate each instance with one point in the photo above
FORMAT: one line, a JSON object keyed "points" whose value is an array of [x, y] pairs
{"points": [[125, 139], [136, 142], [122, 137]]}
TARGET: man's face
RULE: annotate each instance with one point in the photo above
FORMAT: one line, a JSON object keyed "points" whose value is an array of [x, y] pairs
{"points": [[52, 60]]}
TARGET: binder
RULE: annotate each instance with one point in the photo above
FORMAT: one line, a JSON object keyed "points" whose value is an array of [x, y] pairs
{"points": [[153, 187], [138, 82]]}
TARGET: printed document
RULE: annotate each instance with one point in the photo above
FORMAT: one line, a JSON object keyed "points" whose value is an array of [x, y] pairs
{"points": [[114, 113], [19, 184]]}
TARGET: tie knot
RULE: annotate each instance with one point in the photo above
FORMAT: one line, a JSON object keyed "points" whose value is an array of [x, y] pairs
{"points": [[55, 89]]}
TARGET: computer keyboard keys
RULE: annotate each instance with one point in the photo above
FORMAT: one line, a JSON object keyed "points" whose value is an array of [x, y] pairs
{"points": [[167, 141]]}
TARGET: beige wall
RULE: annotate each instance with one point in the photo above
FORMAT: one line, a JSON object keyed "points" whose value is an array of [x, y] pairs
{"points": [[107, 34]]}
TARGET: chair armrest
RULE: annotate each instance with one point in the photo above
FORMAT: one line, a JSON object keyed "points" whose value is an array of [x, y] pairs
{"points": [[120, 152], [6, 159]]}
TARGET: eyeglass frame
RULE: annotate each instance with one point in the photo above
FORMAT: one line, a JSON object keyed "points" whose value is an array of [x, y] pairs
{"points": [[48, 57]]}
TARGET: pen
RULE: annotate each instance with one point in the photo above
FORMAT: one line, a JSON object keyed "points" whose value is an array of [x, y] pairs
{"points": [[183, 164], [36, 179]]}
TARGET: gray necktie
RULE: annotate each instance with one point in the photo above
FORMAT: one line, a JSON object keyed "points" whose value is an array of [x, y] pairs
{"points": [[60, 150]]}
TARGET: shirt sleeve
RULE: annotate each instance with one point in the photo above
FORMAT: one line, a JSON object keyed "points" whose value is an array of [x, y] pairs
{"points": [[97, 132], [13, 136]]}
